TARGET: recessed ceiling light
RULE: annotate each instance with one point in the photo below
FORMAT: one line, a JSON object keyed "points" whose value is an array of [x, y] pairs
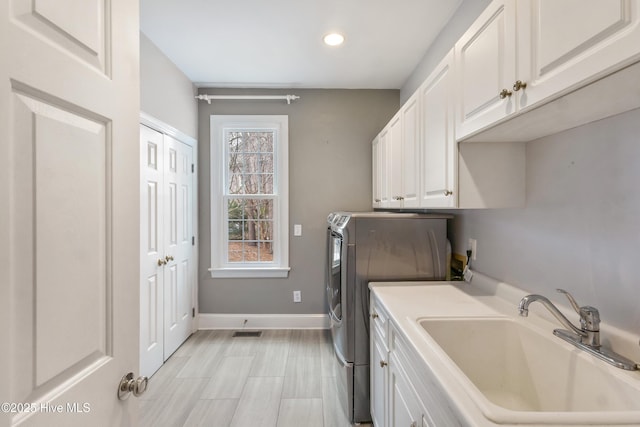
{"points": [[334, 39]]}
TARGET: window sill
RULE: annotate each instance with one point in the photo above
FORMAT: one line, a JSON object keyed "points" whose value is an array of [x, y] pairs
{"points": [[250, 273]]}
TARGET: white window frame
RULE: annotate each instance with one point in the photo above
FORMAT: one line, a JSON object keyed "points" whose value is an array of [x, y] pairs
{"points": [[279, 267]]}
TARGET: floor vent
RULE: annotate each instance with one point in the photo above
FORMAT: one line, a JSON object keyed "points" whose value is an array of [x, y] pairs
{"points": [[247, 334]]}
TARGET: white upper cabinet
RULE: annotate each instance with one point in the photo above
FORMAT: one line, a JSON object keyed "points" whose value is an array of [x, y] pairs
{"points": [[566, 43], [524, 69], [410, 152], [380, 170], [395, 161], [520, 55], [486, 68], [438, 155]]}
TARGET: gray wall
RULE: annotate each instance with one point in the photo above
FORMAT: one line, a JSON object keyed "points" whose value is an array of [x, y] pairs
{"points": [[580, 228], [166, 93], [330, 134]]}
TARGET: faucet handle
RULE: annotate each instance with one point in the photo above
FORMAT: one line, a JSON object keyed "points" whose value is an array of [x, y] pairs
{"points": [[572, 300], [589, 316]]}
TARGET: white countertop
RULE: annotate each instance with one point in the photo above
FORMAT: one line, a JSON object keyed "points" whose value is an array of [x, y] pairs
{"points": [[407, 301]]}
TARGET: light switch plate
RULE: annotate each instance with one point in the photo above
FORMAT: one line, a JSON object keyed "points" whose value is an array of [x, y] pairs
{"points": [[297, 229]]}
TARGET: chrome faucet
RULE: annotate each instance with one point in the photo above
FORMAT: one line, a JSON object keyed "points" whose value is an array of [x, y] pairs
{"points": [[589, 330], [587, 337]]}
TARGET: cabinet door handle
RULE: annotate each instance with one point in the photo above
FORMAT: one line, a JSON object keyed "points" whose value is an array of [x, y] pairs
{"points": [[374, 315], [519, 84], [383, 363], [448, 193], [161, 262], [168, 258], [504, 93]]}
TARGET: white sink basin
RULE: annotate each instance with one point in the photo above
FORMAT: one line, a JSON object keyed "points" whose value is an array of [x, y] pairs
{"points": [[521, 375]]}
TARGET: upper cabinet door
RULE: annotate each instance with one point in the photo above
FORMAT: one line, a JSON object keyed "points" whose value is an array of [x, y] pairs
{"points": [[380, 165], [410, 152], [376, 173], [439, 153], [395, 161], [486, 63], [569, 42]]}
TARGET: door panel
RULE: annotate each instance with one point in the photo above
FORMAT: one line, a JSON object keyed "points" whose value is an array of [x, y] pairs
{"points": [[557, 45], [81, 34], [68, 259], [63, 160], [562, 44], [151, 243], [178, 246]]}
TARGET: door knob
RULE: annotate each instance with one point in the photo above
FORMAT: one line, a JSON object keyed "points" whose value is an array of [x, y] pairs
{"points": [[130, 385], [168, 258], [519, 84], [383, 363], [161, 262], [504, 93]]}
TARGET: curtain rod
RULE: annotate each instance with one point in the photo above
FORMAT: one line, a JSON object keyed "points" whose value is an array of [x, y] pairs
{"points": [[208, 98]]}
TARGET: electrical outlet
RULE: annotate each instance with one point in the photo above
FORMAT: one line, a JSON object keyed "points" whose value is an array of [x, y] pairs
{"points": [[473, 245], [297, 296]]}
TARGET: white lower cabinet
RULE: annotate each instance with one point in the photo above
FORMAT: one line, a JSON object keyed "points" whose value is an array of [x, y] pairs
{"points": [[379, 365], [404, 410], [403, 391], [379, 378]]}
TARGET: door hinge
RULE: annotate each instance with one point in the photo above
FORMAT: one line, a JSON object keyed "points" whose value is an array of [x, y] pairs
{"points": [[193, 240], [193, 312], [193, 168]]}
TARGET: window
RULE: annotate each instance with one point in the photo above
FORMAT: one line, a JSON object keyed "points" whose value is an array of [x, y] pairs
{"points": [[249, 196]]}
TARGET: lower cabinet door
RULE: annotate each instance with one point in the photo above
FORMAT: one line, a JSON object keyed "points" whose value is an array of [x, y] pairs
{"points": [[378, 370], [404, 410]]}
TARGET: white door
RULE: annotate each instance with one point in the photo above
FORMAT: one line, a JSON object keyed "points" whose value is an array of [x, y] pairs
{"points": [[69, 220], [178, 243], [166, 241], [152, 258]]}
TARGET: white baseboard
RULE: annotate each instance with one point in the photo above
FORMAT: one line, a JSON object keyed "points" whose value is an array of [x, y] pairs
{"points": [[263, 321]]}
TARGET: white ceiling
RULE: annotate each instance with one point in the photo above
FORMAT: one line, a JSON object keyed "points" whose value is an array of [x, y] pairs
{"points": [[278, 43]]}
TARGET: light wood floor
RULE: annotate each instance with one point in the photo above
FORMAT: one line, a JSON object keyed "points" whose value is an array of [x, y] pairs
{"points": [[284, 378]]}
